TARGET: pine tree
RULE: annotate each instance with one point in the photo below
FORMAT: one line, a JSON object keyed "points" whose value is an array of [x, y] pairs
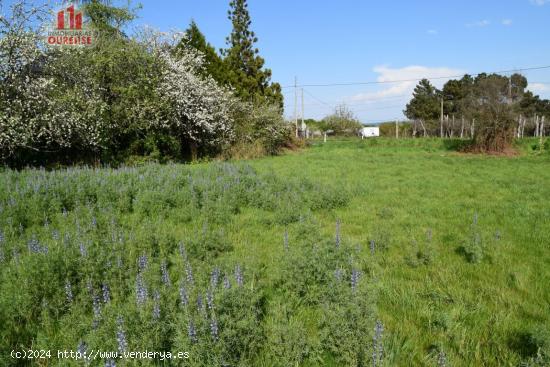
{"points": [[246, 68], [213, 63]]}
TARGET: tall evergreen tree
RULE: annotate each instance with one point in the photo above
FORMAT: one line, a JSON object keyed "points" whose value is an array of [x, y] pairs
{"points": [[246, 68], [425, 102], [213, 63]]}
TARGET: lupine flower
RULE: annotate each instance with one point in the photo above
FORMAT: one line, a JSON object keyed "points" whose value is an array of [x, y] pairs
{"points": [[210, 300], [110, 363], [214, 328], [183, 295], [191, 332], [285, 239], [55, 235], [429, 235], [337, 233], [475, 219], [121, 336], [106, 293], [82, 349], [214, 277], [156, 305], [200, 305], [96, 306], [94, 222], [372, 246], [239, 276], [141, 290], [83, 251], [34, 245], [377, 347], [189, 273], [165, 275], [441, 359], [497, 235], [355, 274], [64, 212], [142, 262], [338, 274], [226, 282], [68, 291]]}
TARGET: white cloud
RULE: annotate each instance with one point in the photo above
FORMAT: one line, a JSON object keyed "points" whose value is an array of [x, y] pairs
{"points": [[405, 80], [540, 2], [480, 23], [432, 31], [538, 87], [506, 22]]}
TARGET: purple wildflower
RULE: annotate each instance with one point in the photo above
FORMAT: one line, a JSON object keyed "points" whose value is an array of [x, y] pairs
{"points": [[372, 246], [142, 262], [338, 274], [285, 239], [210, 300], [106, 293], [429, 235], [83, 250], [239, 276], [189, 273], [192, 332], [156, 305], [226, 282], [441, 359], [200, 305], [183, 295], [355, 274], [121, 336], [68, 291], [165, 275], [141, 290], [214, 277], [377, 347], [214, 328], [110, 363]]}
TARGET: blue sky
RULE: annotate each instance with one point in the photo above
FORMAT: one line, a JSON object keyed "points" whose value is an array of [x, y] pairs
{"points": [[354, 41]]}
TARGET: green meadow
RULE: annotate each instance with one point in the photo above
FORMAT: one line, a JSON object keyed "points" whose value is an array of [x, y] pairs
{"points": [[378, 252]]}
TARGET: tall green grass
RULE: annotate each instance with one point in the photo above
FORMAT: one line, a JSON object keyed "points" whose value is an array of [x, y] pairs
{"points": [[436, 256]]}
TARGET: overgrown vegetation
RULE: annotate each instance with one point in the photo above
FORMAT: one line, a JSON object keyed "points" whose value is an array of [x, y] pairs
{"points": [[489, 109], [163, 96], [415, 258]]}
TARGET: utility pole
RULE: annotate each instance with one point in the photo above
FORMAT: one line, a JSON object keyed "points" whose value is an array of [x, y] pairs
{"points": [[510, 90], [305, 130], [296, 105], [441, 118]]}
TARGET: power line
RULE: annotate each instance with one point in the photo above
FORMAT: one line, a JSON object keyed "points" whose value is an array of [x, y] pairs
{"points": [[417, 79]]}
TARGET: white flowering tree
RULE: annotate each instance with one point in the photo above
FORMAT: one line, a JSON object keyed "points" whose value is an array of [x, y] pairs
{"points": [[199, 110], [39, 110]]}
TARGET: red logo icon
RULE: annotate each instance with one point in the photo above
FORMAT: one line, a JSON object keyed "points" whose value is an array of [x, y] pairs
{"points": [[75, 19]]}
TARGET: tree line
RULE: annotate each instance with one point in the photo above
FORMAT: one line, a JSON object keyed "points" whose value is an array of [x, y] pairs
{"points": [[489, 109], [148, 95]]}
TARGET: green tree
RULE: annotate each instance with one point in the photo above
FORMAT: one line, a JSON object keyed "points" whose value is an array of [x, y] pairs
{"points": [[425, 102], [246, 68], [342, 121], [213, 63]]}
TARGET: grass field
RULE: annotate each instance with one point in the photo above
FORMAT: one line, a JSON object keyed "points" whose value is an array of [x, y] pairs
{"points": [[376, 252]]}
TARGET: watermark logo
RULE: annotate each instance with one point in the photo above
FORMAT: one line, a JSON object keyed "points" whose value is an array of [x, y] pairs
{"points": [[69, 29]]}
